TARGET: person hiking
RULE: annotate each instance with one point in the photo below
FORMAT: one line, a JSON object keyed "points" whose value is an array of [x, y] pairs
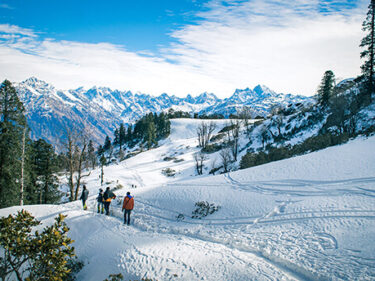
{"points": [[84, 196], [100, 201], [128, 206], [107, 198]]}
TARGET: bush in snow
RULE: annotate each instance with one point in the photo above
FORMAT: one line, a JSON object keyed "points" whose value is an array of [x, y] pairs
{"points": [[118, 186], [168, 158], [180, 217], [211, 148], [168, 172], [32, 254], [203, 209], [115, 277]]}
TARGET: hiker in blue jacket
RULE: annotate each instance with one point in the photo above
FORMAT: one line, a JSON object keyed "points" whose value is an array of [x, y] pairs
{"points": [[84, 196], [100, 201]]}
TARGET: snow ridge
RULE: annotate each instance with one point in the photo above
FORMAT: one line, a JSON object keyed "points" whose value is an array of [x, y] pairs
{"points": [[104, 109]]}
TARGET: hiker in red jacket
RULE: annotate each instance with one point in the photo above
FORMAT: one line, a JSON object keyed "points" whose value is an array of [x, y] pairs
{"points": [[128, 206]]}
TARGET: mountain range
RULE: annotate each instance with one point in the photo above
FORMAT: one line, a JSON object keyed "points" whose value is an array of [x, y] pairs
{"points": [[100, 110]]}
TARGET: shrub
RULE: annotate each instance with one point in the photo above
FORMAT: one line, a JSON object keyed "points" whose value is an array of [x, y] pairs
{"points": [[227, 128], [167, 158], [211, 148], [118, 186], [115, 277], [203, 209], [27, 254], [168, 172], [274, 154], [214, 170], [180, 217], [217, 137]]}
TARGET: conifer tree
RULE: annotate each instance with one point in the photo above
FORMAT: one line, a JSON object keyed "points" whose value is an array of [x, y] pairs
{"points": [[368, 42], [129, 134], [116, 139], [91, 154], [45, 168], [150, 136], [100, 150], [122, 135], [107, 143], [12, 125], [325, 91]]}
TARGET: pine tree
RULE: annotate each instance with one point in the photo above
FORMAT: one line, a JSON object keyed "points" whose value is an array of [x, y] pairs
{"points": [[116, 139], [100, 150], [91, 154], [12, 125], [129, 134], [107, 143], [325, 91], [122, 135], [45, 168], [150, 136], [368, 42]]}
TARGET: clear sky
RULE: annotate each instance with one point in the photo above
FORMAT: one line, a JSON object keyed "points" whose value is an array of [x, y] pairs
{"points": [[181, 46]]}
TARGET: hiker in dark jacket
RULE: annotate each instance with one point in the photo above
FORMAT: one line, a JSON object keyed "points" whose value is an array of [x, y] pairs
{"points": [[107, 198], [100, 201], [128, 206], [84, 196]]}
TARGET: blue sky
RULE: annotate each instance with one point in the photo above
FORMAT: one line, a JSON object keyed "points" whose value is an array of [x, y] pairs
{"points": [[137, 25], [181, 46]]}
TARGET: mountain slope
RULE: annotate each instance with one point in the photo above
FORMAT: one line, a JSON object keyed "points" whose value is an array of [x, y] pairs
{"points": [[50, 110], [298, 219]]}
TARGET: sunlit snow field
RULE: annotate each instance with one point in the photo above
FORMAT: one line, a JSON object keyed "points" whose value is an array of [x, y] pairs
{"points": [[310, 217]]}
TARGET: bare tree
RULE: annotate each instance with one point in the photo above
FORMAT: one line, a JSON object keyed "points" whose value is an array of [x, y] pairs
{"points": [[278, 116], [226, 158], [233, 137], [199, 158], [76, 145], [247, 114], [213, 166], [204, 132], [103, 161]]}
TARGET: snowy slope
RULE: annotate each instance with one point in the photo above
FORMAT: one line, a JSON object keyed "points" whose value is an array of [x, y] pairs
{"points": [[311, 217]]}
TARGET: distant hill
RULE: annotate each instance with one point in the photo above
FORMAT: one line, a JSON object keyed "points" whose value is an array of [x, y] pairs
{"points": [[101, 109]]}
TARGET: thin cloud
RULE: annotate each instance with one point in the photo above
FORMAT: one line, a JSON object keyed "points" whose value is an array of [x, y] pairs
{"points": [[286, 45], [6, 6], [13, 29]]}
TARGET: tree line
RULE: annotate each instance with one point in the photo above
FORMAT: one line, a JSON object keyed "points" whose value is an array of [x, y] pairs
{"points": [[146, 132], [27, 168]]}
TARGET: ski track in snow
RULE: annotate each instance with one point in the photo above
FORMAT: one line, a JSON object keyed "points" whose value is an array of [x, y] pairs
{"points": [[320, 241], [286, 239]]}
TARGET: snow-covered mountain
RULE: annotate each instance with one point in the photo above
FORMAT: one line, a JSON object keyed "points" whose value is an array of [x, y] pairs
{"points": [[101, 109]]}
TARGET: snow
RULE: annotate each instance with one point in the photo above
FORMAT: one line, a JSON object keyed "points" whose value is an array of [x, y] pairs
{"points": [[311, 217]]}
